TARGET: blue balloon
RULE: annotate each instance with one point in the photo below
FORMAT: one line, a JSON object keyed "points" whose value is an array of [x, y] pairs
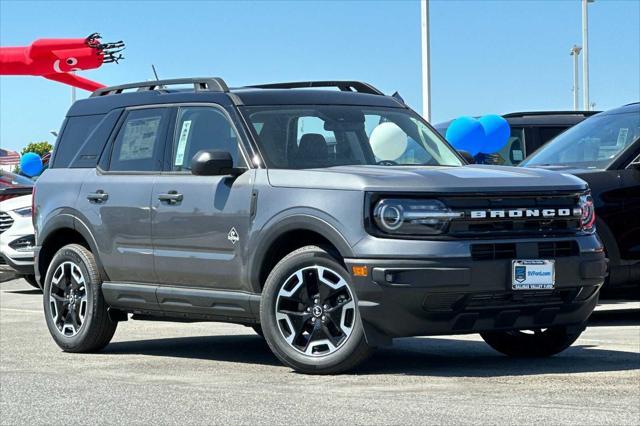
{"points": [[466, 133], [30, 164], [497, 132]]}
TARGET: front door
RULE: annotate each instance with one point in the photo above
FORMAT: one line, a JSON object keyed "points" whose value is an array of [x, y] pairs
{"points": [[116, 200], [200, 223]]}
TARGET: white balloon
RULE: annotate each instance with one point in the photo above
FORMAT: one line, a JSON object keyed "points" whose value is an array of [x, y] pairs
{"points": [[388, 141]]}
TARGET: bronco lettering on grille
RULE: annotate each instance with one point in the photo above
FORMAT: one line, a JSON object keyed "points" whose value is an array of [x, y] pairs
{"points": [[519, 213]]}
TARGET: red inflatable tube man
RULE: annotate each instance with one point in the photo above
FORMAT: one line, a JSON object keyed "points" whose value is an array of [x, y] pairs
{"points": [[56, 59]]}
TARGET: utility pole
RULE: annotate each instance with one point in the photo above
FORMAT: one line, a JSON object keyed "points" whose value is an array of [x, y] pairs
{"points": [[585, 55], [575, 52], [426, 69]]}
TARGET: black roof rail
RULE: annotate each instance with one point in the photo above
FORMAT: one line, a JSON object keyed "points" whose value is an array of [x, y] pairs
{"points": [[214, 84], [530, 113], [345, 86]]}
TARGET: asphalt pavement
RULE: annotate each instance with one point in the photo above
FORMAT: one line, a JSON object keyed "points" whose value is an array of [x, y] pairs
{"points": [[207, 373]]}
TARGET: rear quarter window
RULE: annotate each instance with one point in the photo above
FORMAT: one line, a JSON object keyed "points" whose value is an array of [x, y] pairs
{"points": [[73, 137]]}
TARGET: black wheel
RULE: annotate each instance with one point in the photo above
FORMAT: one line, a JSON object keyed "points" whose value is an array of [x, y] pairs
{"points": [[31, 280], [309, 314], [531, 343], [258, 329], [74, 308]]}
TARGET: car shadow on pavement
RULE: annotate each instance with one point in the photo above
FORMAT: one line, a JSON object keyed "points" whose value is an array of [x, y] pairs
{"points": [[433, 356], [250, 348], [464, 358], [615, 318], [33, 291]]}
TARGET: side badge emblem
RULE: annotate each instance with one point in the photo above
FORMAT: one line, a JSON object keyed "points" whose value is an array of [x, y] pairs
{"points": [[233, 236]]}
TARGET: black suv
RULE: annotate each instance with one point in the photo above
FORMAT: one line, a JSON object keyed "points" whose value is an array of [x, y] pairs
{"points": [[604, 150], [329, 220]]}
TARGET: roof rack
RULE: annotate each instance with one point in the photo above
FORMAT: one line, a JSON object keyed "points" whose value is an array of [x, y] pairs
{"points": [[214, 84], [345, 86]]}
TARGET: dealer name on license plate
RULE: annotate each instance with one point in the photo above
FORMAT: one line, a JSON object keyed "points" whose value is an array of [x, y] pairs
{"points": [[533, 274]]}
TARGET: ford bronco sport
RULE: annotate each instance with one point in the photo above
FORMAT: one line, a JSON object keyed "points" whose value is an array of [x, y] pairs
{"points": [[331, 221]]}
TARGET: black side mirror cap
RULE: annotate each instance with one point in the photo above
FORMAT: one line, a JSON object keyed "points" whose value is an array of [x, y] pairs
{"points": [[213, 162], [467, 156]]}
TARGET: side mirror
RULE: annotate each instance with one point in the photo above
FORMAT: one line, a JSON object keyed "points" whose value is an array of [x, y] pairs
{"points": [[467, 156], [212, 162]]}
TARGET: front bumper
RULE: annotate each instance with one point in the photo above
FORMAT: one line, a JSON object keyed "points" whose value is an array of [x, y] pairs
{"points": [[21, 265], [400, 298]]}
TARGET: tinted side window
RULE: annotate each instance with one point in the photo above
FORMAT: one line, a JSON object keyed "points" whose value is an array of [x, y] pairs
{"points": [[201, 128], [140, 141], [548, 133], [73, 136]]}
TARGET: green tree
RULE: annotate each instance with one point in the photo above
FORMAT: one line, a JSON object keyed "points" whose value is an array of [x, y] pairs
{"points": [[40, 148]]}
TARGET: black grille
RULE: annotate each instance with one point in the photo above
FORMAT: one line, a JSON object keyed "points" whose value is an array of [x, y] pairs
{"points": [[493, 251], [460, 301], [545, 250], [558, 249], [5, 222], [515, 226]]}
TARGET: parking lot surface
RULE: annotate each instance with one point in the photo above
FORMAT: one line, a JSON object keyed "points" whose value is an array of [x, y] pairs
{"points": [[170, 373]]}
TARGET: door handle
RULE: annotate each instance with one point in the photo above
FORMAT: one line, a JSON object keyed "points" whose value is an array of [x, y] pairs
{"points": [[171, 197], [98, 197]]}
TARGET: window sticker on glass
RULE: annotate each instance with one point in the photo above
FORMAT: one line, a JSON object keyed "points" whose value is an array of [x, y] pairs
{"points": [[622, 136], [139, 138], [182, 142]]}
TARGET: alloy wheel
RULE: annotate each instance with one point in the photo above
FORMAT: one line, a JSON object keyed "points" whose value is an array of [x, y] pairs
{"points": [[68, 299], [315, 311]]}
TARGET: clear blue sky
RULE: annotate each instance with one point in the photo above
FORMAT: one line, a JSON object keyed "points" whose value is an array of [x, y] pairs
{"points": [[487, 56]]}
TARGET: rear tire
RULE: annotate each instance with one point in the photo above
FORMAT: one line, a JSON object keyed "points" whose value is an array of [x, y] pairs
{"points": [[74, 307], [539, 343], [309, 314]]}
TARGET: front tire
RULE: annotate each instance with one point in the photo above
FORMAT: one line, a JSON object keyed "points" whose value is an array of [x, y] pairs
{"points": [[535, 343], [309, 314], [74, 307]]}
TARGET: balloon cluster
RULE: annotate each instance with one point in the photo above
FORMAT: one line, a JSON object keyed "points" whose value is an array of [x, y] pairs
{"points": [[488, 134]]}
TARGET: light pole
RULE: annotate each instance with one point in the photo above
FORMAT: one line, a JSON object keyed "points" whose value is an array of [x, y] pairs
{"points": [[426, 69], [73, 91], [585, 55], [575, 51]]}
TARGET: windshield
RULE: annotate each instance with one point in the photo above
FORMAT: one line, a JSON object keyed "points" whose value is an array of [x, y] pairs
{"points": [[315, 136], [593, 144]]}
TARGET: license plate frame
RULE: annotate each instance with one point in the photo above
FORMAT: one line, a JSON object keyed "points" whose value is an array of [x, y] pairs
{"points": [[533, 274]]}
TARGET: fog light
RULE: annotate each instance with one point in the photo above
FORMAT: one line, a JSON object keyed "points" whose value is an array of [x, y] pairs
{"points": [[23, 244]]}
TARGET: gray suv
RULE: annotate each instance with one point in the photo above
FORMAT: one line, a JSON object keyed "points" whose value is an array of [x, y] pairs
{"points": [[327, 216]]}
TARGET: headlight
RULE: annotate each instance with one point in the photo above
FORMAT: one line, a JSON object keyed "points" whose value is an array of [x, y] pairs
{"points": [[412, 216], [588, 213], [23, 211]]}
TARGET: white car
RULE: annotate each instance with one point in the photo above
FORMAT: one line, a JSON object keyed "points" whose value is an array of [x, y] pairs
{"points": [[17, 237]]}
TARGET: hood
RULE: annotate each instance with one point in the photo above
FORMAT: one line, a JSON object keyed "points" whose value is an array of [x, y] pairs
{"points": [[15, 203], [471, 178]]}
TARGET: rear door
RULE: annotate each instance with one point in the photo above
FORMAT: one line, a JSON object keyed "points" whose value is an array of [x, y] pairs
{"points": [[116, 197], [200, 223]]}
